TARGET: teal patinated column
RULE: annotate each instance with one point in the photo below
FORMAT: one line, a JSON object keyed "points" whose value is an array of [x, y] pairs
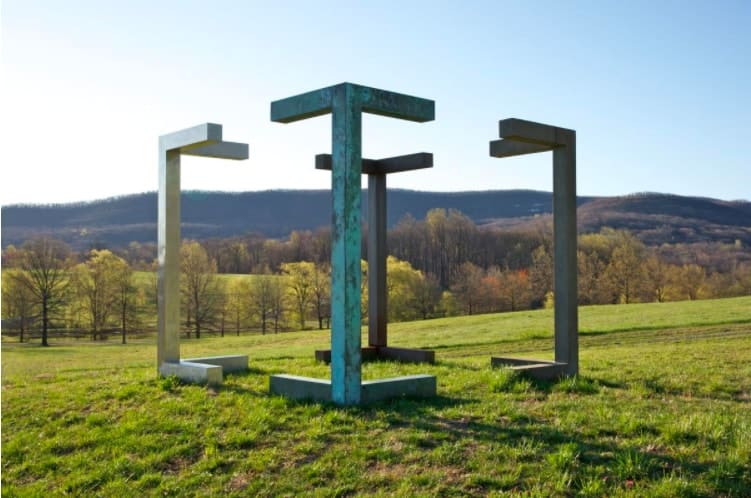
{"points": [[346, 151], [346, 102]]}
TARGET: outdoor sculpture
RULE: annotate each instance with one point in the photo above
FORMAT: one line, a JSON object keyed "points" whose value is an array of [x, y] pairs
{"points": [[377, 293], [520, 137], [346, 102], [206, 141]]}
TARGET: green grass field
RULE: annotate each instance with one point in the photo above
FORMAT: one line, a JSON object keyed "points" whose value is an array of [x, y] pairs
{"points": [[662, 408]]}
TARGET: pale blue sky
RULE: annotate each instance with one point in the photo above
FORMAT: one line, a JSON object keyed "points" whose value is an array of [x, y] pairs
{"points": [[659, 92]]}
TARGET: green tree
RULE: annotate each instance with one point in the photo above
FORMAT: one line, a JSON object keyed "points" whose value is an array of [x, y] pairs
{"points": [[401, 283], [625, 272], [236, 290], [97, 285], [300, 281], [264, 298], [45, 263]]}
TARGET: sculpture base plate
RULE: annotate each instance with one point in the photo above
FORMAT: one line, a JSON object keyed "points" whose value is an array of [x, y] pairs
{"points": [[209, 370], [537, 369], [308, 388], [374, 353]]}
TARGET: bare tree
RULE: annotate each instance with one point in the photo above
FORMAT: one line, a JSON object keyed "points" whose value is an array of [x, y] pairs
{"points": [[45, 264], [199, 285], [126, 296], [260, 297], [322, 293], [19, 307], [468, 287], [300, 277]]}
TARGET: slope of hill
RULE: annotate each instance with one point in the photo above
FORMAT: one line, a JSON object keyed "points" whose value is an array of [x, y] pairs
{"points": [[662, 218], [221, 214], [656, 218]]}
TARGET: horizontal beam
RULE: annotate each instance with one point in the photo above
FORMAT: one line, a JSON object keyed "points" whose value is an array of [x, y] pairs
{"points": [[396, 105], [196, 136], [398, 164], [370, 100], [222, 150], [536, 133], [509, 148], [303, 106]]}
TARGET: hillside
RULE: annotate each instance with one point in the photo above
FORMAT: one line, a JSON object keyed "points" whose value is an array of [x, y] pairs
{"points": [[656, 218]]}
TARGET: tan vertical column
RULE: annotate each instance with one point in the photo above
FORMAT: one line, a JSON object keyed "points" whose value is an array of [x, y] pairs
{"points": [[204, 141], [168, 285], [519, 137], [564, 237], [377, 295]]}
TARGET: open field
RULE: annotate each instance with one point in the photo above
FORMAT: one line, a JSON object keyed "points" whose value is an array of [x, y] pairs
{"points": [[662, 408]]}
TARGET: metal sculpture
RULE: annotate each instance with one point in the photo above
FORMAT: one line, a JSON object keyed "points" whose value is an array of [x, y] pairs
{"points": [[377, 234], [346, 102], [519, 137], [205, 141]]}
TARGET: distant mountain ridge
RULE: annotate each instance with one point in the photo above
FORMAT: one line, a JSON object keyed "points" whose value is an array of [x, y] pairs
{"points": [[117, 221]]}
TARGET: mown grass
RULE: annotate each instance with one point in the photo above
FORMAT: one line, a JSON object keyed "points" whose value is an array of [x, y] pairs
{"points": [[662, 408]]}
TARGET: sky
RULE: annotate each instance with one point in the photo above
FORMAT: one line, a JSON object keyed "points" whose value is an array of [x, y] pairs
{"points": [[659, 93]]}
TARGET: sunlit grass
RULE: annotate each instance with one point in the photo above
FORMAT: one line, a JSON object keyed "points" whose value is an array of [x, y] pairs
{"points": [[662, 408]]}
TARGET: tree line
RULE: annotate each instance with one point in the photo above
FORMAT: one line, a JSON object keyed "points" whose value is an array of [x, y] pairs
{"points": [[443, 265]]}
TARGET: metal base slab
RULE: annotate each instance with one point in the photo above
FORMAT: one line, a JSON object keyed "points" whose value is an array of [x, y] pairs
{"points": [[209, 370], [415, 386], [537, 369], [194, 373], [229, 363], [308, 388], [373, 353]]}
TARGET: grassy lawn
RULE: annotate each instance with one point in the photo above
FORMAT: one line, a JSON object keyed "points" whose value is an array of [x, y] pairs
{"points": [[662, 408]]}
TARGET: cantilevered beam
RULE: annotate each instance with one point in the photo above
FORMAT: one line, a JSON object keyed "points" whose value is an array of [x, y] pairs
{"points": [[386, 166], [521, 130], [509, 148], [370, 100]]}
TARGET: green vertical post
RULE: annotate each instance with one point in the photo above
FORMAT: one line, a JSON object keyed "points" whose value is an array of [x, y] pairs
{"points": [[346, 102], [346, 148]]}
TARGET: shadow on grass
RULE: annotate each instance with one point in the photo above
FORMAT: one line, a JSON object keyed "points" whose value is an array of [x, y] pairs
{"points": [[562, 449]]}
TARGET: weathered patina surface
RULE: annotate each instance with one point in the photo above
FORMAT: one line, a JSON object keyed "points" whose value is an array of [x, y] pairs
{"points": [[346, 102], [377, 169]]}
